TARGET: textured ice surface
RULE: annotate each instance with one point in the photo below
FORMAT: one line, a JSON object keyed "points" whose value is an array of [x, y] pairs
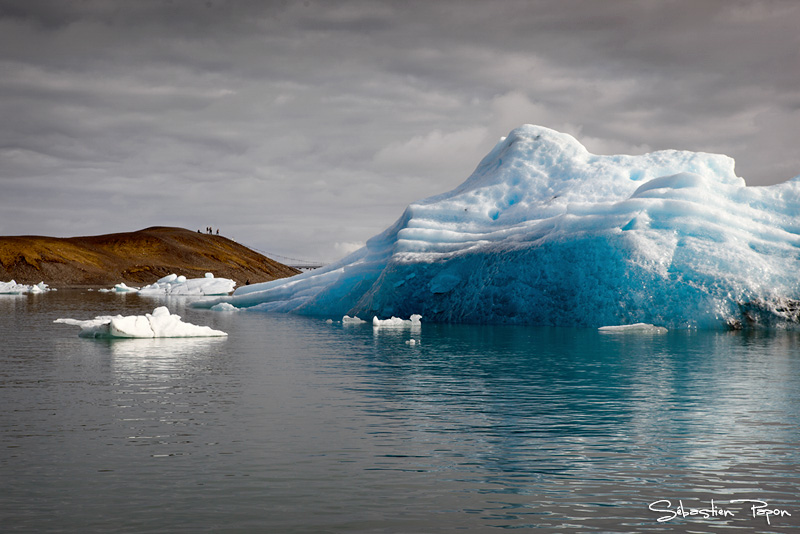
{"points": [[175, 285], [158, 324], [13, 288], [543, 232]]}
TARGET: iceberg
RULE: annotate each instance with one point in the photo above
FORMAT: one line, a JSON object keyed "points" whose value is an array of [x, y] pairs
{"points": [[161, 323], [13, 288], [174, 285], [544, 232]]}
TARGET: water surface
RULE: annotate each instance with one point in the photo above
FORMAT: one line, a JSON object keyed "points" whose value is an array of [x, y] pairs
{"points": [[294, 425]]}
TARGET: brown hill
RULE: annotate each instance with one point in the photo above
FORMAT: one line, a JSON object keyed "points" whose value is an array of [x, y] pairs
{"points": [[136, 258]]}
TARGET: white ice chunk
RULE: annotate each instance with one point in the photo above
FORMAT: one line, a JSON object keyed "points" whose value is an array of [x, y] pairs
{"points": [[352, 320], [414, 320], [13, 288], [175, 285], [643, 328], [122, 288], [158, 324], [225, 307]]}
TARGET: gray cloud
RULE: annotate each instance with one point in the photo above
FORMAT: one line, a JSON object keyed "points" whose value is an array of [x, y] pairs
{"points": [[304, 128]]}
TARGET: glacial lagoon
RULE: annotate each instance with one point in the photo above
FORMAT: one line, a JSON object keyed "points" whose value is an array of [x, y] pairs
{"points": [[294, 425]]}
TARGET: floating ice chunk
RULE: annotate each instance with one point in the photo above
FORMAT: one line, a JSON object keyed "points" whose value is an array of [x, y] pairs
{"points": [[397, 322], [173, 284], [13, 288], [225, 307], [352, 320], [158, 324], [643, 328], [412, 342], [122, 288], [41, 287], [180, 285]]}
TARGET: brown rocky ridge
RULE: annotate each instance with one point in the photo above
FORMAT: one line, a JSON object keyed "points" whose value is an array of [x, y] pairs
{"points": [[135, 258]]}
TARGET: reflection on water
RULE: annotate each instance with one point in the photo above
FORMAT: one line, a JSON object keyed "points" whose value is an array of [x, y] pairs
{"points": [[294, 425], [166, 354]]}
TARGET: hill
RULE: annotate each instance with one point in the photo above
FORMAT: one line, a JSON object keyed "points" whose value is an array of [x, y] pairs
{"points": [[136, 258]]}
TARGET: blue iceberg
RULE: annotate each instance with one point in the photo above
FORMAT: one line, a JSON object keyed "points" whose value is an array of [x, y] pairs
{"points": [[546, 233]]}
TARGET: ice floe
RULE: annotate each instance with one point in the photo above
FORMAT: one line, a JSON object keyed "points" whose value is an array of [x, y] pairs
{"points": [[396, 322], [174, 285], [13, 288], [160, 323]]}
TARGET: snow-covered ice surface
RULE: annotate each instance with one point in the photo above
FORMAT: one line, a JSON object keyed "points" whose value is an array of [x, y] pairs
{"points": [[161, 323], [544, 232], [179, 285], [13, 288]]}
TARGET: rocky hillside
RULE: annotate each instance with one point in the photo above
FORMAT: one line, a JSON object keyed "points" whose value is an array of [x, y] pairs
{"points": [[136, 258]]}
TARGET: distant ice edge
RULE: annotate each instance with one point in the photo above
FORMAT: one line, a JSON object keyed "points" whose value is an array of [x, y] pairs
{"points": [[545, 233]]}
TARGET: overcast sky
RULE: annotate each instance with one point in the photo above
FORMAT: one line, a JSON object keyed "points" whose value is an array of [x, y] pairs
{"points": [[304, 128]]}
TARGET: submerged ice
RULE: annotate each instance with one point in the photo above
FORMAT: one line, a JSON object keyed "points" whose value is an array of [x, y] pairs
{"points": [[544, 232], [160, 323]]}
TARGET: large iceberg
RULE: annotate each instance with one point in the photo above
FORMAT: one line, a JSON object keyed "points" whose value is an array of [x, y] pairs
{"points": [[544, 232], [160, 323]]}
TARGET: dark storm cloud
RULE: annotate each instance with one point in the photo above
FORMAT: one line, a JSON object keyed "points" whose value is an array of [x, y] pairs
{"points": [[306, 127]]}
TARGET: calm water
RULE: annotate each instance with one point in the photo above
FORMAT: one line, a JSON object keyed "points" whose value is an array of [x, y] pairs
{"points": [[294, 425]]}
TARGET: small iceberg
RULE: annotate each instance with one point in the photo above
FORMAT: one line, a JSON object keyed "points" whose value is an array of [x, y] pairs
{"points": [[643, 328], [175, 285], [352, 320], [120, 288], [13, 288], [225, 307], [396, 322], [161, 323]]}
